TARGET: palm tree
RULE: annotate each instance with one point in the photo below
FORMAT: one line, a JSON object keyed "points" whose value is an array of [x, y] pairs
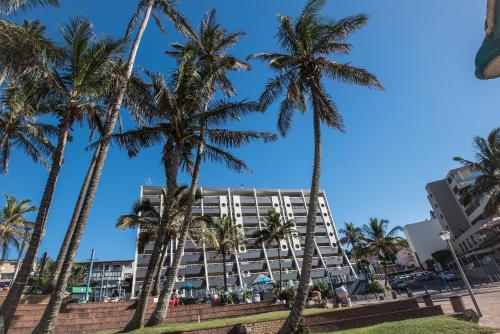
{"points": [[147, 218], [22, 129], [382, 242], [224, 238], [172, 118], [8, 7], [12, 224], [273, 230], [487, 164], [143, 13], [353, 236], [308, 42], [71, 91], [208, 50]]}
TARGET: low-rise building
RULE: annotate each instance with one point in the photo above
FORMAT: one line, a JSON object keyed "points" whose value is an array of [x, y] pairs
{"points": [[423, 239], [7, 269]]}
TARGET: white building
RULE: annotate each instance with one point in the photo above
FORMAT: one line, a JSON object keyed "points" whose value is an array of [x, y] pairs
{"points": [[423, 239]]}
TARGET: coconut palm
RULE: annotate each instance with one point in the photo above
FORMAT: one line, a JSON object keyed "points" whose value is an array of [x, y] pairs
{"points": [[8, 7], [147, 218], [224, 238], [208, 50], [487, 183], [143, 13], [71, 91], [379, 241], [353, 236], [307, 43], [12, 224], [274, 230], [172, 118], [21, 127]]}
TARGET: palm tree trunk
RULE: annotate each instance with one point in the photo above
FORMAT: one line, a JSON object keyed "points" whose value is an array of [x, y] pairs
{"points": [[11, 302], [281, 277], [171, 170], [47, 322], [292, 322], [156, 284], [5, 159], [160, 313], [69, 232], [5, 246], [224, 270]]}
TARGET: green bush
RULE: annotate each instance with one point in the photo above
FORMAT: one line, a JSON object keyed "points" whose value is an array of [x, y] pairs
{"points": [[287, 295], [324, 288], [374, 287], [191, 301]]}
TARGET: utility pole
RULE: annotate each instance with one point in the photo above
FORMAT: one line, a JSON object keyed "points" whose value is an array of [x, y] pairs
{"points": [[90, 275]]}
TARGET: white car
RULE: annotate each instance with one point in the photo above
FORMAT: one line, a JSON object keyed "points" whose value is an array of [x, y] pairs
{"points": [[447, 276]]}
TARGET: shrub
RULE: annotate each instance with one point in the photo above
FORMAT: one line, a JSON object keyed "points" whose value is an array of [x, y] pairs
{"points": [[374, 287], [287, 295], [324, 288]]}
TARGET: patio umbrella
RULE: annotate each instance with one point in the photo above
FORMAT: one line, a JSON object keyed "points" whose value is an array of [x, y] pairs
{"points": [[189, 287], [261, 279]]}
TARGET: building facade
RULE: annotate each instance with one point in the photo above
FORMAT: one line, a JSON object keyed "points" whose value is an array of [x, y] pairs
{"points": [[110, 278], [423, 239], [203, 269], [466, 223]]}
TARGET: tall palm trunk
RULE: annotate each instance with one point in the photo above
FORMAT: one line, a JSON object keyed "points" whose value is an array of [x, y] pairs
{"points": [[5, 157], [292, 322], [224, 270], [69, 232], [5, 246], [171, 170], [280, 266], [14, 295], [160, 312], [47, 322], [156, 285]]}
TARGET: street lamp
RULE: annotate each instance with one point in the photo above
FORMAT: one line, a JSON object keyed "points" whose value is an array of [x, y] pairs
{"points": [[445, 235]]}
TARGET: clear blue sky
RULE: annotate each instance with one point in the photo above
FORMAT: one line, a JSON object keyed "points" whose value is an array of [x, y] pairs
{"points": [[396, 140]]}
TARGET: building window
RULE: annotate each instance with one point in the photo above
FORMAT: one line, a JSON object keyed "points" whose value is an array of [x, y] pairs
{"points": [[449, 179], [455, 189]]}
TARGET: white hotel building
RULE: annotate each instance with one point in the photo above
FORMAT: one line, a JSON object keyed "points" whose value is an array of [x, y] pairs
{"points": [[203, 269]]}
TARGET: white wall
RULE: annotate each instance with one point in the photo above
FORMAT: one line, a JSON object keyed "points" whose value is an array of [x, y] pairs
{"points": [[424, 239]]}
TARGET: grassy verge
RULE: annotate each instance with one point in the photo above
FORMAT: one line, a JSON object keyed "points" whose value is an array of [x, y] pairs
{"points": [[222, 322], [433, 325]]}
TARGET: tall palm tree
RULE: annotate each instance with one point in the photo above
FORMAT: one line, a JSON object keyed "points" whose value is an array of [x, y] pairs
{"points": [[382, 242], [21, 127], [307, 43], [147, 218], [8, 7], [274, 230], [353, 236], [71, 90], [12, 224], [487, 184], [143, 13], [208, 50], [224, 238]]}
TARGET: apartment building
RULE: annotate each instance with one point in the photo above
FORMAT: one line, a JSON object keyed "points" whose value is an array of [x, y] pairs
{"points": [[203, 269], [110, 277], [423, 239], [466, 223]]}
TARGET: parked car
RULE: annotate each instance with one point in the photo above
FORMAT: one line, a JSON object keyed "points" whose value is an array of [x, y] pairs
{"points": [[398, 284], [447, 276], [4, 286], [424, 276]]}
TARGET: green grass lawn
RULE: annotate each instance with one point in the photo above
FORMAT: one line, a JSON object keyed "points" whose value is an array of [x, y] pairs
{"points": [[222, 322], [433, 325]]}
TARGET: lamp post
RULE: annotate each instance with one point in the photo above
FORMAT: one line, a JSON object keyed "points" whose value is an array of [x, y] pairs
{"points": [[445, 235]]}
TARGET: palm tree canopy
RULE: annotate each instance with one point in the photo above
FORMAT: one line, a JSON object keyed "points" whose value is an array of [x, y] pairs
{"points": [[379, 240], [12, 222], [273, 228], [145, 216], [353, 235], [487, 164], [223, 236], [307, 43], [21, 128], [8, 7]]}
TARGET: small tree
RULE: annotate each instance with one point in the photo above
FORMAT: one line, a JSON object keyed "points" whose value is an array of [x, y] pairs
{"points": [[274, 230], [224, 238]]}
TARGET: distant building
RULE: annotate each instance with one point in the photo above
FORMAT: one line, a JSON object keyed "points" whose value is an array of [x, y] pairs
{"points": [[7, 269], [423, 239], [110, 278], [465, 223], [202, 268], [405, 258]]}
